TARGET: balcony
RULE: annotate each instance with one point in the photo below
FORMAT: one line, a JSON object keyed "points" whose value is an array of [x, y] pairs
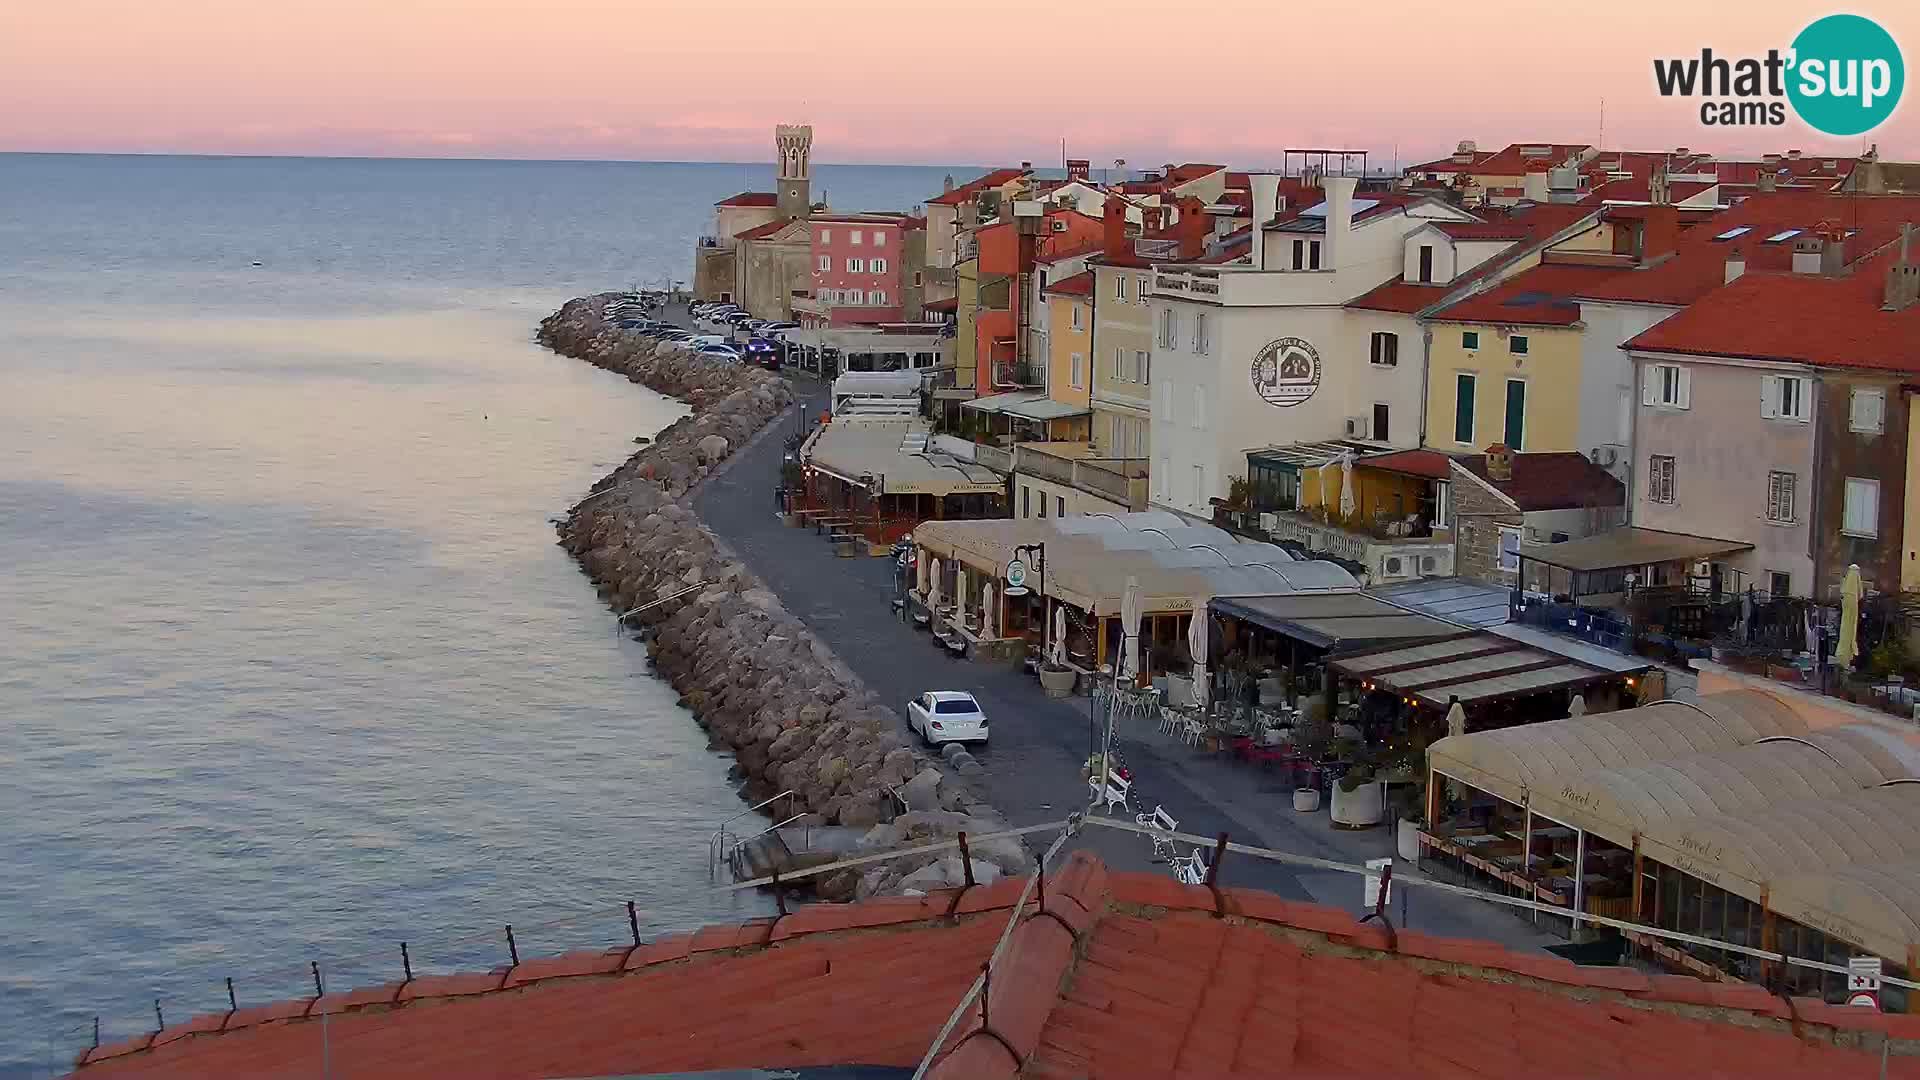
{"points": [[1158, 250], [1025, 374], [1118, 480], [1383, 550]]}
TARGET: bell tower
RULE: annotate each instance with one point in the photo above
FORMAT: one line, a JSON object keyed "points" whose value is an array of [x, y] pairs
{"points": [[793, 144]]}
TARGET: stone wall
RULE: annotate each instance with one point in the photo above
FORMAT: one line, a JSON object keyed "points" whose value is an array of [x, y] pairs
{"points": [[1478, 514], [795, 717]]}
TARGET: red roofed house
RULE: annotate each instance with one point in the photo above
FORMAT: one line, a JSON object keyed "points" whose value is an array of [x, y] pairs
{"points": [[1105, 976], [957, 210], [858, 265], [1774, 414], [716, 274], [1501, 499]]}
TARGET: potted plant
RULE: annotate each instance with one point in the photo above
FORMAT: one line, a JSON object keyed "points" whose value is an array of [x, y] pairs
{"points": [[1357, 802], [1057, 680]]}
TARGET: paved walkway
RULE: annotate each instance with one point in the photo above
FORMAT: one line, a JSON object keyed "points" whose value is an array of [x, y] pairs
{"points": [[1040, 744]]}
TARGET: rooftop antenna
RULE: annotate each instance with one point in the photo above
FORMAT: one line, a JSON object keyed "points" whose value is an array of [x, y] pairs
{"points": [[1603, 124]]}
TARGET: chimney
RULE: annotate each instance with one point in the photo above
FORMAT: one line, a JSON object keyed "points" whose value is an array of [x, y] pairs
{"points": [[1736, 266], [1806, 253], [1770, 159], [1659, 190], [1768, 181], [1026, 166], [1113, 224], [1793, 155], [1833, 253], [1153, 218], [1191, 228], [1339, 191], [1499, 463], [1078, 169], [1535, 187], [1903, 277], [1659, 233], [1266, 202]]}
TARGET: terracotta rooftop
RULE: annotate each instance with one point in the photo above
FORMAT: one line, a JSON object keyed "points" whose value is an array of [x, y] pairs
{"points": [[966, 191], [762, 230], [1542, 296], [1131, 975], [1428, 463], [1080, 284], [1405, 297], [1555, 481], [1640, 189], [750, 198]]}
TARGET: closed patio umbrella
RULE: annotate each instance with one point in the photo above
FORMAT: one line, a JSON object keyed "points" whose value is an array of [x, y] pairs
{"points": [[1129, 666], [1347, 504], [1847, 648], [933, 586], [1577, 707], [1197, 645], [989, 615], [920, 568], [960, 591], [1060, 636]]}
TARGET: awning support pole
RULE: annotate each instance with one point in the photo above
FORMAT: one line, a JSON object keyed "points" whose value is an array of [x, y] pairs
{"points": [[1579, 873], [1526, 850]]}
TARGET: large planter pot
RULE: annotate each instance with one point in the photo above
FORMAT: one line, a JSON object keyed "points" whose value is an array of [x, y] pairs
{"points": [[1409, 839], [1058, 682], [1361, 808], [1306, 800]]}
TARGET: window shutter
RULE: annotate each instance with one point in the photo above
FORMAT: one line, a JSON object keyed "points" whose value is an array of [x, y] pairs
{"points": [[1684, 379], [1650, 385], [1769, 397]]}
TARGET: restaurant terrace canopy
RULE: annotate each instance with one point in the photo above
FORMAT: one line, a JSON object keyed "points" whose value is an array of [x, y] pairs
{"points": [[889, 457], [1472, 667], [1334, 621]]}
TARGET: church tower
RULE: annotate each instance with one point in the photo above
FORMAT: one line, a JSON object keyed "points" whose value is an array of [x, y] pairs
{"points": [[794, 145]]}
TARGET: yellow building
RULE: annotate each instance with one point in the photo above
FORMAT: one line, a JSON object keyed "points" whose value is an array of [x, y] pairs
{"points": [[1070, 316], [1504, 365], [1121, 360]]}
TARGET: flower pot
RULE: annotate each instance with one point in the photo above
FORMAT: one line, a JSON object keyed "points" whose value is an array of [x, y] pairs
{"points": [[1409, 839], [1361, 808], [1058, 682], [1306, 800]]}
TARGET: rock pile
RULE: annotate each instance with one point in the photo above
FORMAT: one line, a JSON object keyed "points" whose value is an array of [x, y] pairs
{"points": [[796, 718]]}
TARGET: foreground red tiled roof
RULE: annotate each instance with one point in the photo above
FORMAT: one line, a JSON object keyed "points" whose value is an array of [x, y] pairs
{"points": [[1640, 189], [1080, 284], [1428, 463], [750, 198], [1406, 297], [1556, 481], [967, 190], [1803, 318], [1132, 975], [1542, 296]]}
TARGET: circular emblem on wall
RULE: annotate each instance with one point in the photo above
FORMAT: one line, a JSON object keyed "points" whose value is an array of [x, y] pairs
{"points": [[1286, 372]]}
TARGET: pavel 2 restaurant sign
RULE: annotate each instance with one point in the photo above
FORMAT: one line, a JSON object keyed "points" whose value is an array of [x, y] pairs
{"points": [[1286, 372]]}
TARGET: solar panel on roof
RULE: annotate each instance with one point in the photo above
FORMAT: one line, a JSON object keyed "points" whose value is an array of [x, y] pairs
{"points": [[1784, 234], [1731, 233], [1525, 299], [1360, 206]]}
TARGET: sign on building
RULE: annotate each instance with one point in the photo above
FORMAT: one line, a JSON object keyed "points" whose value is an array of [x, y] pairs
{"points": [[1286, 372], [1863, 981]]}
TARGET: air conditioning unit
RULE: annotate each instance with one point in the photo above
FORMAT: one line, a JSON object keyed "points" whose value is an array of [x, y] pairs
{"points": [[1359, 427], [1605, 456], [1059, 225], [1391, 566]]}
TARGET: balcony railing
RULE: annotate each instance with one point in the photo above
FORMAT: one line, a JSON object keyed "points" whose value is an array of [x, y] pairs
{"points": [[1120, 480], [1024, 373], [998, 459], [1157, 249]]}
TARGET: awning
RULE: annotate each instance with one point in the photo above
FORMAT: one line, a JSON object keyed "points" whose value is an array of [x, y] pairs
{"points": [[1329, 621], [1629, 547], [892, 453], [1474, 667], [1427, 464], [1027, 405], [951, 303]]}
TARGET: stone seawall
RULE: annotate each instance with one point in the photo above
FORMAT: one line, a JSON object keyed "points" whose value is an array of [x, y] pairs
{"points": [[763, 686]]}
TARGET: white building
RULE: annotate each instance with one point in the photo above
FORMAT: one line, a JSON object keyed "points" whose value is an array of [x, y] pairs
{"points": [[1265, 353]]}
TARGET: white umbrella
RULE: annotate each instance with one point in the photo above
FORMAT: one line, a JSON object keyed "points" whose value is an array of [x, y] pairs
{"points": [[1197, 645], [989, 617], [1347, 506], [960, 591], [1456, 725], [933, 586], [1060, 636], [1848, 645], [1129, 631], [920, 567], [1577, 707]]}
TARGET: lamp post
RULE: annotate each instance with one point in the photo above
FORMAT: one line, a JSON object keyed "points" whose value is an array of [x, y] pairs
{"points": [[1039, 563]]}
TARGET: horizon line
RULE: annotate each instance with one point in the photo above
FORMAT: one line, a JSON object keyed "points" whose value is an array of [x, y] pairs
{"points": [[769, 163]]}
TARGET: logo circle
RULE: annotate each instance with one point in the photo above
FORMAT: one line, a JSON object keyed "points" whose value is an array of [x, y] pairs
{"points": [[1016, 574], [1286, 372], [1847, 75]]}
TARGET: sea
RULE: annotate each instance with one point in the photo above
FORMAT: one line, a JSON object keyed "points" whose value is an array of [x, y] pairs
{"points": [[291, 668]]}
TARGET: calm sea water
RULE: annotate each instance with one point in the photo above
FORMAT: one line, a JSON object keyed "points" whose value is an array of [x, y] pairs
{"points": [[291, 668]]}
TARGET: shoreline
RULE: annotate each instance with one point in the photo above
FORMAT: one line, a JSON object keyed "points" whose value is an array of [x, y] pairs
{"points": [[756, 678]]}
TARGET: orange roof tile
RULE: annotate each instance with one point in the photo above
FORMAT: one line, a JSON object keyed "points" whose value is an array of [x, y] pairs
{"points": [[758, 231], [1080, 284], [1106, 977], [1542, 296], [967, 190], [750, 198]]}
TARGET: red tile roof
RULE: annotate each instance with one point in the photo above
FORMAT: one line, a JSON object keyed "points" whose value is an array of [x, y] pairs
{"points": [[1541, 296], [1557, 481], [751, 198], [1640, 189], [1129, 975], [1428, 463], [759, 231], [1406, 297], [1512, 161], [951, 303], [1080, 284], [1803, 318], [962, 193]]}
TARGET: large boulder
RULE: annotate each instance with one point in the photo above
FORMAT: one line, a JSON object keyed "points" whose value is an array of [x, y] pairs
{"points": [[712, 449], [922, 792]]}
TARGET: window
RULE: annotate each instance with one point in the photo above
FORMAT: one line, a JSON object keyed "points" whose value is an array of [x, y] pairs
{"points": [[877, 298], [879, 238], [856, 266], [1043, 504], [1443, 506], [1785, 397], [916, 279], [1140, 289], [1517, 344], [1079, 371], [1120, 287], [1380, 422], [1862, 516], [1079, 313], [1868, 412], [854, 236], [1202, 343], [1199, 407], [826, 262], [1509, 549], [1299, 254], [1463, 391], [1779, 584], [1660, 481], [1026, 501], [1119, 358], [1516, 426], [1426, 263], [1780, 493], [1140, 368], [826, 236], [1199, 485], [1469, 339], [1313, 255], [878, 266], [1059, 506], [1669, 386], [1386, 349], [1169, 329]]}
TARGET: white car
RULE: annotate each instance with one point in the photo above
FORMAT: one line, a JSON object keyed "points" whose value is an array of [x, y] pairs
{"points": [[947, 716]]}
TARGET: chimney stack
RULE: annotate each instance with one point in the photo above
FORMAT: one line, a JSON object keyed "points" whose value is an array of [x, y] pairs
{"points": [[1339, 191], [1768, 181], [1903, 277], [1833, 252], [1079, 169], [1191, 227], [949, 184], [1659, 189], [1113, 224], [1266, 203], [1806, 252], [1736, 266], [1499, 463]]}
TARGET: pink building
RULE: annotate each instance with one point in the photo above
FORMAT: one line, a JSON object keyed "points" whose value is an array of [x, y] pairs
{"points": [[858, 261]]}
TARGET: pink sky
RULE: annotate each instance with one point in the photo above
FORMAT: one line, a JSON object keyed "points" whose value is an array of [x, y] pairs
{"points": [[880, 80]]}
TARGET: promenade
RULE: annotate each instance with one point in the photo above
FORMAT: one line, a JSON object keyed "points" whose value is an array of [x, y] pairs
{"points": [[1040, 744]]}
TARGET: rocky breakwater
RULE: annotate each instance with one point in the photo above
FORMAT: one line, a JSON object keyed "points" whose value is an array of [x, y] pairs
{"points": [[796, 718]]}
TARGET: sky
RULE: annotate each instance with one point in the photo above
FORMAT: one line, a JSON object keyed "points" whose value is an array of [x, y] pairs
{"points": [[882, 81]]}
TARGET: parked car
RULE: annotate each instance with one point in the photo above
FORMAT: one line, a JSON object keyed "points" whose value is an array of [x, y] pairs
{"points": [[947, 716], [720, 352], [778, 327], [764, 352]]}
